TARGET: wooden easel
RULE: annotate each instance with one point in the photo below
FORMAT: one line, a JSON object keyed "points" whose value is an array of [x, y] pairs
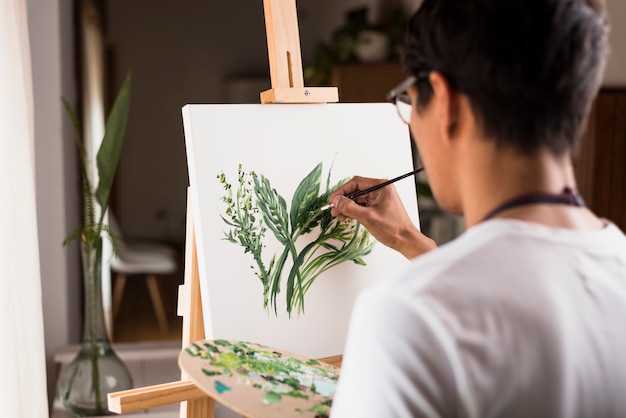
{"points": [[287, 82], [283, 46]]}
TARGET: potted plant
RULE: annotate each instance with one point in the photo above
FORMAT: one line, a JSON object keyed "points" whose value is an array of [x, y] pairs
{"points": [[96, 370], [358, 41]]}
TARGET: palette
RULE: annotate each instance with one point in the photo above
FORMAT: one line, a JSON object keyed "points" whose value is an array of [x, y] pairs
{"points": [[258, 381]]}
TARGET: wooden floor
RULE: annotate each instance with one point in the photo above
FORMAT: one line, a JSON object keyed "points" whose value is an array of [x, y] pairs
{"points": [[137, 321]]}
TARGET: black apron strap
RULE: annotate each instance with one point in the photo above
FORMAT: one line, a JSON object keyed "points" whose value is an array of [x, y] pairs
{"points": [[567, 197]]}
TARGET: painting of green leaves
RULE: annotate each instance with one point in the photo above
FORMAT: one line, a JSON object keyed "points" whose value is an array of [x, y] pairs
{"points": [[254, 209]]}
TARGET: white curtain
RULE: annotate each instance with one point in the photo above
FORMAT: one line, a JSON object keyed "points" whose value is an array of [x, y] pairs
{"points": [[22, 355]]}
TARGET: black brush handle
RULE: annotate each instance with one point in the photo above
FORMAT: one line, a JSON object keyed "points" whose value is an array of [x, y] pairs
{"points": [[354, 195]]}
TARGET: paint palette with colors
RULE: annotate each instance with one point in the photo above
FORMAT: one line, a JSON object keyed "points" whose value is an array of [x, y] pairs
{"points": [[258, 381]]}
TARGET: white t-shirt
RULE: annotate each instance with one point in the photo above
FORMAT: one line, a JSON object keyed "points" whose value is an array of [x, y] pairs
{"points": [[512, 319]]}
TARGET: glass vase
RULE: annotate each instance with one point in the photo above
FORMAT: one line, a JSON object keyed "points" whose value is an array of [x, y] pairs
{"points": [[96, 370]]}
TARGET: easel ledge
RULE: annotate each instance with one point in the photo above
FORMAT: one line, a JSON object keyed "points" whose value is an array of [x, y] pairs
{"points": [[300, 95]]}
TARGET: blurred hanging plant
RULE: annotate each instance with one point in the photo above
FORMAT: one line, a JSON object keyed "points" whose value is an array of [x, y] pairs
{"points": [[255, 206]]}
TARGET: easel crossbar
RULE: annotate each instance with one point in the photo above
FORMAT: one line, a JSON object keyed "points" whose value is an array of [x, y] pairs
{"points": [[153, 396]]}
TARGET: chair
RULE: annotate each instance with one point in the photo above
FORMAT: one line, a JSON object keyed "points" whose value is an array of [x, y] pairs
{"points": [[146, 259]]}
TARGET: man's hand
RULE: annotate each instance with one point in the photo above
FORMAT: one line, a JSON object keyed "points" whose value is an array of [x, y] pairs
{"points": [[382, 213]]}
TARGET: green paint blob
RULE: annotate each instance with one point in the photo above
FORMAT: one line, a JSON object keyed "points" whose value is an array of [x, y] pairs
{"points": [[319, 410], [297, 394], [211, 372], [272, 398], [220, 387], [211, 348]]}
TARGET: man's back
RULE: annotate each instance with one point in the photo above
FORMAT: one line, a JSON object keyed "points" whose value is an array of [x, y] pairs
{"points": [[512, 319]]}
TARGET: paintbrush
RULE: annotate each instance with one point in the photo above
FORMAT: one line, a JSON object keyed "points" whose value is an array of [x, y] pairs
{"points": [[360, 193]]}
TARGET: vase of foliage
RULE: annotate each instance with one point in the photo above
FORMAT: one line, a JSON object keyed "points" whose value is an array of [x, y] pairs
{"points": [[96, 370]]}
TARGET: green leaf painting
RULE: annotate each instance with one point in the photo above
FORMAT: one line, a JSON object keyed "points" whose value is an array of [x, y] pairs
{"points": [[255, 208]]}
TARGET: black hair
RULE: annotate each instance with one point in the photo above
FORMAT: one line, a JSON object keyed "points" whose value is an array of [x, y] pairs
{"points": [[530, 68]]}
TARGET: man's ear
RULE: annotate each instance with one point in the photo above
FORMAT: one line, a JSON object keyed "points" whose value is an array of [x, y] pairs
{"points": [[446, 104]]}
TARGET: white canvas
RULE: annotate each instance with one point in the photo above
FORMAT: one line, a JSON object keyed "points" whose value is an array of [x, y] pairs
{"points": [[284, 143]]}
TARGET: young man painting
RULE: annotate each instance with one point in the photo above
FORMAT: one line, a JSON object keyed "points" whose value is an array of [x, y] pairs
{"points": [[523, 315]]}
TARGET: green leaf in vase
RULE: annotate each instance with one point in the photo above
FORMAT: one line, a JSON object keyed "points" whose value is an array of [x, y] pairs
{"points": [[111, 147]]}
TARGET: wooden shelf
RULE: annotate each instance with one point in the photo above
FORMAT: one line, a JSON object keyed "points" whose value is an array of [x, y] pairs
{"points": [[366, 83]]}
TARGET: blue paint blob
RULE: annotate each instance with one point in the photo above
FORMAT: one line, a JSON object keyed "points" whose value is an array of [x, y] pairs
{"points": [[220, 387], [324, 388]]}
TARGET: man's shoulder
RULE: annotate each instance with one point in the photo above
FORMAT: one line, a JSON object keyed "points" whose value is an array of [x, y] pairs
{"points": [[494, 302], [461, 257], [499, 253]]}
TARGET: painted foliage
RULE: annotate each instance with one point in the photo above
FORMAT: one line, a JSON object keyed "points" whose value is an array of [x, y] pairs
{"points": [[255, 206]]}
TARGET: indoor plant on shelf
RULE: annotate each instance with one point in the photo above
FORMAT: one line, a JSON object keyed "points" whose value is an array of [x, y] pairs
{"points": [[96, 370]]}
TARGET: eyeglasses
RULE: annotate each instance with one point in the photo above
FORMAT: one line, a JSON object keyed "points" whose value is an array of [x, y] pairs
{"points": [[399, 96]]}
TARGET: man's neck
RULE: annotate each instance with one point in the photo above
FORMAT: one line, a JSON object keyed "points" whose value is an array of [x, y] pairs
{"points": [[493, 176]]}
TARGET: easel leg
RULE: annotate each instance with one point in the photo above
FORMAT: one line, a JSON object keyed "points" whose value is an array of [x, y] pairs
{"points": [[193, 319], [204, 407]]}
